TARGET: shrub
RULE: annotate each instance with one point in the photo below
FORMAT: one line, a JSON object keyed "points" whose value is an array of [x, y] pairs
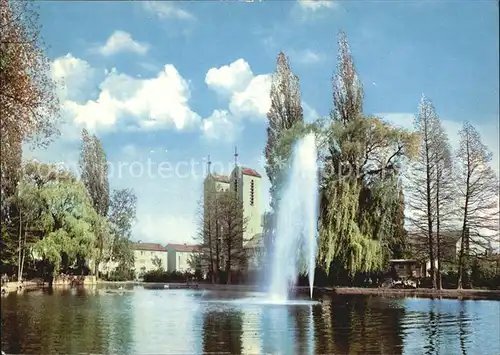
{"points": [[166, 276]]}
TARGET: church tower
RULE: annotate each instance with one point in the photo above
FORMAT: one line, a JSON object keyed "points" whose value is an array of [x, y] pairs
{"points": [[246, 183]]}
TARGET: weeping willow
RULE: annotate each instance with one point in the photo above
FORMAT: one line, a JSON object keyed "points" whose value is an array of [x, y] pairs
{"points": [[341, 238], [378, 217]]}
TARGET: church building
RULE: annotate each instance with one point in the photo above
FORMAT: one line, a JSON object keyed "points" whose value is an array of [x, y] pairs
{"points": [[246, 183]]}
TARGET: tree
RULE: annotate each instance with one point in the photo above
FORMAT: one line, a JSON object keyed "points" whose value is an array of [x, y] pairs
{"points": [[478, 190], [28, 102], [94, 172], [195, 262], [285, 112], [205, 232], [424, 176], [348, 92], [121, 215], [233, 226], [445, 194], [361, 158], [157, 263], [28, 203], [94, 175], [68, 223]]}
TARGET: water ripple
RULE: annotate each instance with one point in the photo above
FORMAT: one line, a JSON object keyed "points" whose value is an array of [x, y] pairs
{"points": [[195, 322]]}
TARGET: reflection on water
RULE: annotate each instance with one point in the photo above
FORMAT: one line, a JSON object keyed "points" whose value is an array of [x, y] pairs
{"points": [[139, 321]]}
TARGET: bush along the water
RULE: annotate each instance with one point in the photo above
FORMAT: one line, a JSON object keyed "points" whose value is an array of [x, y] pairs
{"points": [[167, 276], [120, 274]]}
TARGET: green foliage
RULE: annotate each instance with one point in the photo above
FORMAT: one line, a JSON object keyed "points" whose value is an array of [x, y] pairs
{"points": [[94, 172], [123, 253], [340, 235], [361, 205], [121, 215], [195, 261], [68, 222], [157, 262], [284, 113], [485, 273], [120, 274], [166, 276], [57, 217]]}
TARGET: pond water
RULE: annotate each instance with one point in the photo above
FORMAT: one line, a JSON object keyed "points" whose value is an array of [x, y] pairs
{"points": [[144, 321]]}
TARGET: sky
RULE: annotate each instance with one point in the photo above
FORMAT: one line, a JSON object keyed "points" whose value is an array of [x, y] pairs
{"points": [[165, 84]]}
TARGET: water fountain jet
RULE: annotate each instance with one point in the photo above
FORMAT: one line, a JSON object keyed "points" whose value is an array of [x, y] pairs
{"points": [[296, 226]]}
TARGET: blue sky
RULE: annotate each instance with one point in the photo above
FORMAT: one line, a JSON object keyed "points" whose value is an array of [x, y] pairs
{"points": [[171, 82]]}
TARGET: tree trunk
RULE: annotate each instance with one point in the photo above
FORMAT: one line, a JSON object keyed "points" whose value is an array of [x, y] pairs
{"points": [[461, 258], [210, 250], [19, 272], [438, 236], [429, 224], [24, 249], [228, 263]]}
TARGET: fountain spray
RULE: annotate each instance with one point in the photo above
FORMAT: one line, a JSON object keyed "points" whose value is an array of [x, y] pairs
{"points": [[296, 229]]}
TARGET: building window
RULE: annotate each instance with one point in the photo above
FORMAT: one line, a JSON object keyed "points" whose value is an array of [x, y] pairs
{"points": [[235, 185], [251, 193], [179, 262]]}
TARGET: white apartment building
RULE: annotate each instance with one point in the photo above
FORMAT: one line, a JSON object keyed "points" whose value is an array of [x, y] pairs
{"points": [[179, 256], [147, 255]]}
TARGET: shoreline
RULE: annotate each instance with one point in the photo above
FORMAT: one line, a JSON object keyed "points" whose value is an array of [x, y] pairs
{"points": [[470, 294]]}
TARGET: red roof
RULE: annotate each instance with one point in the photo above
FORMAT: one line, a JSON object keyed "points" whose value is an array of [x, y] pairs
{"points": [[184, 247], [251, 172], [148, 246]]}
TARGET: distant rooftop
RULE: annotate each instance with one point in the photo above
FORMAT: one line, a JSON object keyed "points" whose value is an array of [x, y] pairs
{"points": [[148, 246], [244, 171], [184, 247], [250, 172]]}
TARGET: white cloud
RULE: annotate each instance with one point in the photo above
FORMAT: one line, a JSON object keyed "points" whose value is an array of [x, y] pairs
{"points": [[311, 10], [220, 126], [248, 96], [167, 10], [73, 77], [306, 57], [122, 98], [254, 101], [230, 78], [316, 5], [121, 41], [122, 101]]}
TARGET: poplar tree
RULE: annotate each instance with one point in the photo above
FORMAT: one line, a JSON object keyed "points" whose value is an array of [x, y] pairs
{"points": [[121, 215], [94, 175], [284, 113]]}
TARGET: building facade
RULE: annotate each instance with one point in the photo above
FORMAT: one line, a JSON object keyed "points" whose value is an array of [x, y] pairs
{"points": [[149, 257], [180, 255]]}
